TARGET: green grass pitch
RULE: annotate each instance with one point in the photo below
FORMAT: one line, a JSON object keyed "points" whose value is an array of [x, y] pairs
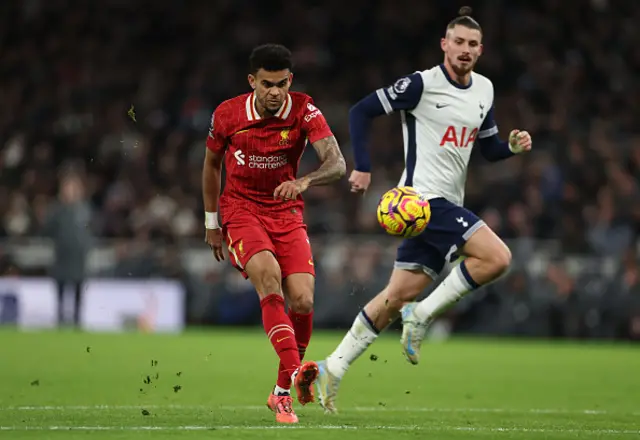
{"points": [[214, 384]]}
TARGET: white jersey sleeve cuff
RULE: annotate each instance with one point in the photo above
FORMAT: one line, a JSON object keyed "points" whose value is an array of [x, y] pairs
{"points": [[488, 132]]}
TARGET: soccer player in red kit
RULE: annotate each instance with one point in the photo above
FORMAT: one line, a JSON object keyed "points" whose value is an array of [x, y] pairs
{"points": [[260, 136]]}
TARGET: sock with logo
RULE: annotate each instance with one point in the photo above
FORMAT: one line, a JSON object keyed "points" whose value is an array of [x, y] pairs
{"points": [[456, 285], [280, 332], [302, 326], [361, 334], [279, 391]]}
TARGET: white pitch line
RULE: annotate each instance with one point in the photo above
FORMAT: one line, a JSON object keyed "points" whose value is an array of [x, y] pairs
{"points": [[326, 427], [410, 409]]}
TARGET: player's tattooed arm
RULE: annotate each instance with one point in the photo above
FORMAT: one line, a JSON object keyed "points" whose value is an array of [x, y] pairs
{"points": [[333, 165], [332, 168]]}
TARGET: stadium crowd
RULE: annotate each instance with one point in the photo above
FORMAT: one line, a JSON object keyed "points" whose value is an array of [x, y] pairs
{"points": [[120, 94]]}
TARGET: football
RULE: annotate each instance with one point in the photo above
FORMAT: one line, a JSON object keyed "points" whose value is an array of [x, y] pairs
{"points": [[403, 212]]}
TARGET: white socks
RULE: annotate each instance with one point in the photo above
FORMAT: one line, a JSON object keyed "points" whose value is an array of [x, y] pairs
{"points": [[278, 391], [456, 285], [361, 334]]}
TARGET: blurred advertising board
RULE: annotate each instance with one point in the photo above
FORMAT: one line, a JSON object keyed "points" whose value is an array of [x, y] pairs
{"points": [[108, 305], [28, 302]]}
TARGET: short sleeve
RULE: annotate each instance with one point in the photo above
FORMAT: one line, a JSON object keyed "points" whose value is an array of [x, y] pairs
{"points": [[314, 124], [404, 94], [489, 126], [216, 140]]}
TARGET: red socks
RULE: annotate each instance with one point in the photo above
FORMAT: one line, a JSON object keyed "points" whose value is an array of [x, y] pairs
{"points": [[281, 334], [302, 326]]}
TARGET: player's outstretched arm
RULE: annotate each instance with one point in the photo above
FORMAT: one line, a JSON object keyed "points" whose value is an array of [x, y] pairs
{"points": [[404, 94], [360, 117], [211, 173]]}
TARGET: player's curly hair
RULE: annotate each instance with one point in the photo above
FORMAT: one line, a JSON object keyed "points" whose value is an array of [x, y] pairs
{"points": [[464, 19], [270, 57]]}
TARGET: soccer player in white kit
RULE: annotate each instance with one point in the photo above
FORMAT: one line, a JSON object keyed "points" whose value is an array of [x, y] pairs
{"points": [[445, 112]]}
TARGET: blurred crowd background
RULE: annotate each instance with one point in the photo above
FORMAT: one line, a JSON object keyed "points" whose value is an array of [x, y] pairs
{"points": [[105, 106]]}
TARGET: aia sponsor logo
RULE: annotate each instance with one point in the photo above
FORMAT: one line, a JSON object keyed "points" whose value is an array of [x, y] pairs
{"points": [[460, 137]]}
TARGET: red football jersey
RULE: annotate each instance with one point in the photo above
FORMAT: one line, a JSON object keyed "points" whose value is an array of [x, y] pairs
{"points": [[260, 154]]}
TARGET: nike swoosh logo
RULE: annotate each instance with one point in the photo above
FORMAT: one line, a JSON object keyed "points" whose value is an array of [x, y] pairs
{"points": [[279, 340], [241, 131], [441, 105], [311, 262]]}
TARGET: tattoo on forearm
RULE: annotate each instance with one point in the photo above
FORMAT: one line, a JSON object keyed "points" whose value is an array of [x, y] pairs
{"points": [[332, 165]]}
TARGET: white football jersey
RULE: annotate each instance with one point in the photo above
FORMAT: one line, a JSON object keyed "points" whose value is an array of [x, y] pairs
{"points": [[441, 120]]}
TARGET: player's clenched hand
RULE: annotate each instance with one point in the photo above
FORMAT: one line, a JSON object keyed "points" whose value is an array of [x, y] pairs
{"points": [[214, 240], [359, 181], [291, 190], [519, 141]]}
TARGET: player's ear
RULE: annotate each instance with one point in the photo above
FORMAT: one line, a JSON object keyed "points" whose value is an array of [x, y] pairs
{"points": [[481, 49], [290, 78], [443, 44], [252, 81]]}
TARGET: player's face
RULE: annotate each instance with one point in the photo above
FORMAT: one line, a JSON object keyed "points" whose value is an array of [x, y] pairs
{"points": [[271, 88], [462, 47]]}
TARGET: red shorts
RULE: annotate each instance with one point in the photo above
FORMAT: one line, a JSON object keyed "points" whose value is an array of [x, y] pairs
{"points": [[247, 233]]}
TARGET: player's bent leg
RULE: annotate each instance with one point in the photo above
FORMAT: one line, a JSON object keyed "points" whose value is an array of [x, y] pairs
{"points": [[404, 286], [487, 257], [293, 249], [298, 291], [298, 288], [264, 272]]}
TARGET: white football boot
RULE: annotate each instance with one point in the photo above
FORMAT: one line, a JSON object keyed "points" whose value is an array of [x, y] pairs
{"points": [[413, 332]]}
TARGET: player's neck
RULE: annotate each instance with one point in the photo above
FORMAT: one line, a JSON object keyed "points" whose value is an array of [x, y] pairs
{"points": [[463, 80], [262, 111]]}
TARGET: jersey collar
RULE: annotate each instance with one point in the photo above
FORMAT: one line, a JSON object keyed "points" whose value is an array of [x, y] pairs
{"points": [[452, 82], [282, 113]]}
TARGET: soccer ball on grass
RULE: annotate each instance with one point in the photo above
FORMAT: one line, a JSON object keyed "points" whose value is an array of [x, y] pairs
{"points": [[403, 212]]}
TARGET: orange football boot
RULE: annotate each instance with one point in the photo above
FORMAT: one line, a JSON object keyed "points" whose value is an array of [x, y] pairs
{"points": [[272, 401], [304, 380], [282, 406]]}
